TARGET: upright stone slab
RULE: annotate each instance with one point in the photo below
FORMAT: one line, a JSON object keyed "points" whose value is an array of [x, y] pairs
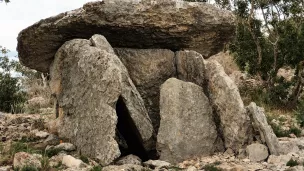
{"points": [[149, 69], [95, 93], [141, 24], [260, 124], [234, 122], [190, 67], [186, 127]]}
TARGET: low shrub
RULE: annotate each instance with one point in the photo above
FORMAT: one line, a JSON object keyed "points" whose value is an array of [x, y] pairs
{"points": [[52, 152], [292, 163], [84, 159], [296, 131]]}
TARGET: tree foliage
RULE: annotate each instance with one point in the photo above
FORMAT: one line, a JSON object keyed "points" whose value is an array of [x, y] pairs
{"points": [[6, 1], [12, 97]]}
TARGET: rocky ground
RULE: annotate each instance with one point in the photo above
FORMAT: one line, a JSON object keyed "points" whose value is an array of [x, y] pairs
{"points": [[27, 142]]}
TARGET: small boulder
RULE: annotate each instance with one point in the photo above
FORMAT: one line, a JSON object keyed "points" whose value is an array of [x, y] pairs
{"points": [[257, 152], [65, 147], [129, 159], [72, 162], [288, 147], [279, 160], [126, 167], [5, 168], [41, 134], [52, 140], [191, 168], [56, 160], [156, 164]]}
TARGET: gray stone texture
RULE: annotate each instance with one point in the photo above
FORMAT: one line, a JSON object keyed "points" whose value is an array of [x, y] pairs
{"points": [[170, 24], [186, 127], [149, 69], [87, 79], [234, 122]]}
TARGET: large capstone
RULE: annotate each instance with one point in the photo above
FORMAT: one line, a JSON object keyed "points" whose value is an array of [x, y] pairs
{"points": [[186, 126], [167, 24], [96, 97], [149, 69]]}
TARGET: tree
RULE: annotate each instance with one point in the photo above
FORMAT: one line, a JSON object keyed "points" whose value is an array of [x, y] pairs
{"points": [[6, 1], [12, 97]]}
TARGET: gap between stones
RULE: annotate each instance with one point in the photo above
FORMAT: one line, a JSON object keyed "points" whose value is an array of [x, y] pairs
{"points": [[128, 130]]}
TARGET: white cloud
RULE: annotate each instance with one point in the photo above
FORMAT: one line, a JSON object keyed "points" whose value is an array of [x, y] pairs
{"points": [[19, 14]]}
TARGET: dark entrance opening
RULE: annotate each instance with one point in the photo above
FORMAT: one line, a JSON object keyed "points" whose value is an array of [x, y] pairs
{"points": [[128, 133]]}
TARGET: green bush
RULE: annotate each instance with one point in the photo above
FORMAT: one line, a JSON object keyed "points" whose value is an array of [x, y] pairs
{"points": [[52, 152], [278, 131], [292, 163], [296, 131], [300, 113]]}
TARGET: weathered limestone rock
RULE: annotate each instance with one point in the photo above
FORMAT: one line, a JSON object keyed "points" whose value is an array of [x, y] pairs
{"points": [[157, 164], [72, 162], [23, 159], [257, 152], [126, 167], [260, 124], [149, 69], [170, 24], [129, 159], [190, 67], [233, 120], [186, 127], [89, 82], [288, 147]]}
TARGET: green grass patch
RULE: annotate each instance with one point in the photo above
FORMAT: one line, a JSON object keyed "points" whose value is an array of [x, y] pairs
{"points": [[26, 168], [212, 167], [96, 168]]}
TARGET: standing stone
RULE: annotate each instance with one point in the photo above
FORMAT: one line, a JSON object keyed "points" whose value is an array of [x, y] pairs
{"points": [[257, 152], [149, 69], [190, 67], [260, 124], [234, 122], [89, 82], [186, 127]]}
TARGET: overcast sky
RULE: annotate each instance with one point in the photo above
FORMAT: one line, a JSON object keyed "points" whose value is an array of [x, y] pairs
{"points": [[19, 14]]}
